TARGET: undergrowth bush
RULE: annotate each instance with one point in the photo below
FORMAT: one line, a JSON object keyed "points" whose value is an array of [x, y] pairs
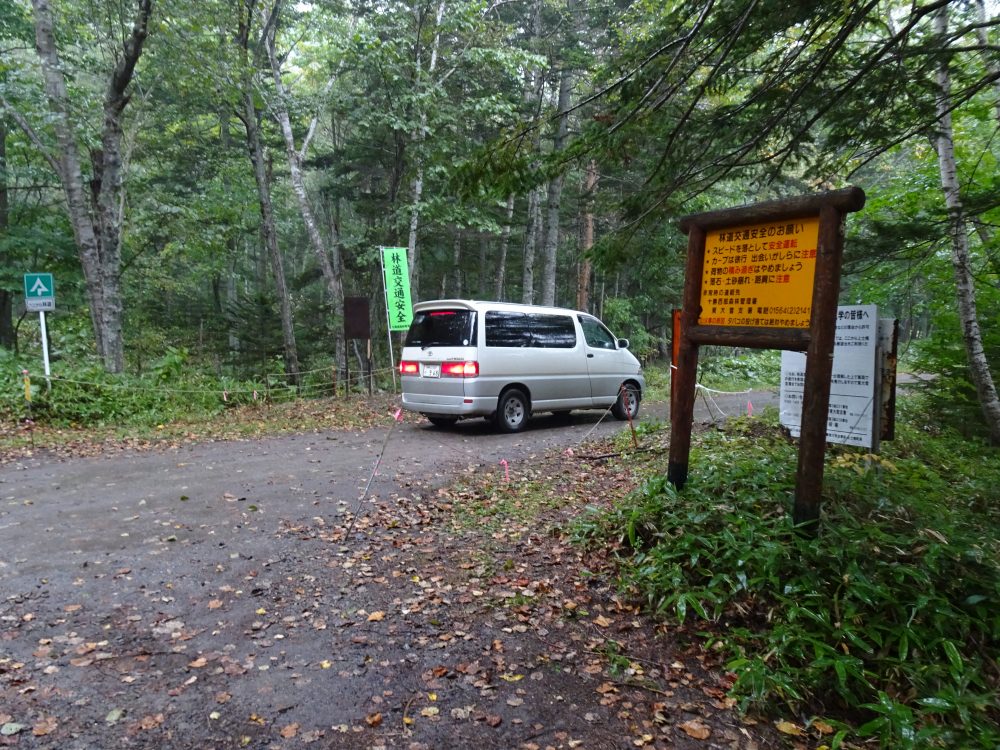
{"points": [[729, 371], [887, 624], [86, 395]]}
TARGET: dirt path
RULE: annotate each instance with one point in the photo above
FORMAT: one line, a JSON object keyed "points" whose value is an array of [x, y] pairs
{"points": [[237, 594]]}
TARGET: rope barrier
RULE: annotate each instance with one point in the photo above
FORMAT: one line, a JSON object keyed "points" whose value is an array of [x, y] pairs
{"points": [[700, 387], [227, 392], [397, 418]]}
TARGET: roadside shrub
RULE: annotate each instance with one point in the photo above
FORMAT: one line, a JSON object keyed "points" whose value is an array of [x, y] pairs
{"points": [[730, 371], [888, 624], [621, 317]]}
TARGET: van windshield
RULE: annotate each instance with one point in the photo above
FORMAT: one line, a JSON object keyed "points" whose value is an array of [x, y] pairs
{"points": [[442, 328]]}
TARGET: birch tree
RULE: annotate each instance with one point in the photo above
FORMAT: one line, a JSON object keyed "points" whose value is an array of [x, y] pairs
{"points": [[94, 198], [958, 233], [251, 58], [329, 262]]}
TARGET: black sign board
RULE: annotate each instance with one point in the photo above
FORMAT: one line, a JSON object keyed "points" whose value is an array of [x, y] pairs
{"points": [[357, 321]]}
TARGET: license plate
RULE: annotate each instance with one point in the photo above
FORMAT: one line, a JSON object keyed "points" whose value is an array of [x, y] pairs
{"points": [[430, 371]]}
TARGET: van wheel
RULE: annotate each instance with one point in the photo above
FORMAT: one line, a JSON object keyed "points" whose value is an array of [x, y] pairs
{"points": [[513, 411], [627, 405], [441, 421]]}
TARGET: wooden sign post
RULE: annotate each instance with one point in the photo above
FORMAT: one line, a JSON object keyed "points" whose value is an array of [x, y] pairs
{"points": [[765, 276]]}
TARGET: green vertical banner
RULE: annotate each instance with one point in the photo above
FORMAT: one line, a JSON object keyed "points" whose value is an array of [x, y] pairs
{"points": [[397, 288]]}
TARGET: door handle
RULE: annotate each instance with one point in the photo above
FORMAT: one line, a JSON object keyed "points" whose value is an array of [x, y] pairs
{"points": [[590, 356]]}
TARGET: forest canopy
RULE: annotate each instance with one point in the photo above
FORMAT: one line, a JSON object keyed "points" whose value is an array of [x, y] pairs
{"points": [[215, 177]]}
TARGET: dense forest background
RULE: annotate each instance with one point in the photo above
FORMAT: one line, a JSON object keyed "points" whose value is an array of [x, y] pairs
{"points": [[208, 180]]}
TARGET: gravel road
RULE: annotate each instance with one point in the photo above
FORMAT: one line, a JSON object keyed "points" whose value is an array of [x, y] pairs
{"points": [[155, 599]]}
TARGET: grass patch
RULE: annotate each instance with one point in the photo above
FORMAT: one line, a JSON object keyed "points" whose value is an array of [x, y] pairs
{"points": [[887, 626], [495, 505]]}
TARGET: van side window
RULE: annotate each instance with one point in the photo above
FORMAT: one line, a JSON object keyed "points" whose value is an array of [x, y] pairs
{"points": [[552, 331], [597, 336], [507, 329]]}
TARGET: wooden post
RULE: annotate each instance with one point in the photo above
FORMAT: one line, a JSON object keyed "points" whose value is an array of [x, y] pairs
{"points": [[682, 417], [819, 366]]}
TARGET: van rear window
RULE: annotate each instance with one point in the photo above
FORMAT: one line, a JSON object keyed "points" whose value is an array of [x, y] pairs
{"points": [[442, 328]]}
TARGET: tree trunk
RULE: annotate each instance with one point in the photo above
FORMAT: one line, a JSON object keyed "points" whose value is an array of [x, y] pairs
{"points": [[249, 115], [456, 262], [583, 279], [530, 245], [95, 218], [555, 191], [979, 369], [331, 273], [504, 245], [417, 191], [483, 273], [6, 297], [269, 231]]}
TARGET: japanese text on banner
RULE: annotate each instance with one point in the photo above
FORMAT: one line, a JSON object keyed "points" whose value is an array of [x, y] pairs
{"points": [[397, 288]]}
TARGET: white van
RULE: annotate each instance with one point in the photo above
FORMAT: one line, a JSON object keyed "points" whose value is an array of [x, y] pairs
{"points": [[463, 358]]}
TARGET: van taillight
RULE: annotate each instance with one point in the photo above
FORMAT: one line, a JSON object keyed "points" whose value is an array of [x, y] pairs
{"points": [[460, 369], [408, 368]]}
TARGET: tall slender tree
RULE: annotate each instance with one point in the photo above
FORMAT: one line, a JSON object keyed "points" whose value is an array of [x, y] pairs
{"points": [[329, 263], [958, 233], [95, 202], [252, 53]]}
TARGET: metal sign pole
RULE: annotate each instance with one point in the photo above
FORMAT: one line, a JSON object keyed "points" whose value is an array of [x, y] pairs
{"points": [[45, 349], [388, 320]]}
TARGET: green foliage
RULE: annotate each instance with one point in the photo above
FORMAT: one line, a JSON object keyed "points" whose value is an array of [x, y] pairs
{"points": [[621, 318], [731, 370], [85, 395], [888, 623]]}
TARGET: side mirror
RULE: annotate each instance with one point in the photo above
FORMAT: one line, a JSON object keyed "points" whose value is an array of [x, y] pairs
{"points": [[623, 343]]}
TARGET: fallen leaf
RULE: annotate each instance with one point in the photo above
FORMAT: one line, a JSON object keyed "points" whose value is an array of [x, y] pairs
{"points": [[289, 731], [695, 728], [787, 727], [201, 661], [430, 711], [822, 727], [45, 726], [151, 721], [215, 604], [602, 621], [373, 720], [376, 617]]}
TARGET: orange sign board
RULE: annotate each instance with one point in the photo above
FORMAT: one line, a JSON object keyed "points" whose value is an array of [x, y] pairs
{"points": [[760, 275]]}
